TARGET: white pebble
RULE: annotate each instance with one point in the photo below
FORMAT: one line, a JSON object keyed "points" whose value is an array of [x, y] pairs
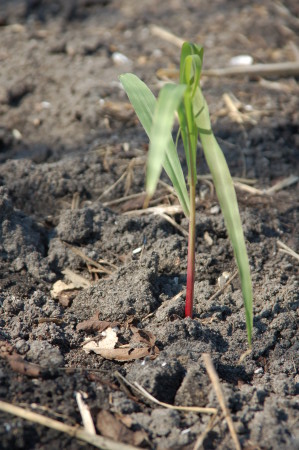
{"points": [[45, 105], [157, 53], [215, 209], [16, 134], [241, 60], [137, 250], [119, 59]]}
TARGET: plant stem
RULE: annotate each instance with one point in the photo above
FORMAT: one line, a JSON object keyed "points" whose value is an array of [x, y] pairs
{"points": [[191, 253]]}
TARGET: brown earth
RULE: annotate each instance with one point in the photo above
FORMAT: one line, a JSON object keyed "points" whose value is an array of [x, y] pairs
{"points": [[67, 135]]}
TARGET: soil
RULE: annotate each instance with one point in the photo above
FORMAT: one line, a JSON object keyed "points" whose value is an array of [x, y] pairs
{"points": [[72, 187]]}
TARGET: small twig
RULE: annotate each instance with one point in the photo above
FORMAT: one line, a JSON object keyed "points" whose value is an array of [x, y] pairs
{"points": [[127, 174], [45, 409], [86, 258], [85, 414], [140, 390], [223, 287], [75, 432], [162, 209], [124, 199], [294, 49], [217, 387], [196, 409], [284, 69], [285, 249], [110, 188], [174, 224], [76, 279], [169, 188], [161, 200], [246, 184], [233, 109], [250, 189], [244, 355], [124, 386], [166, 35], [249, 181], [201, 438], [108, 263], [75, 201], [55, 320], [279, 86], [286, 182], [174, 298], [177, 296]]}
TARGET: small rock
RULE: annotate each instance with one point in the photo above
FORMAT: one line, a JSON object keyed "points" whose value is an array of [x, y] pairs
{"points": [[215, 210], [45, 354]]}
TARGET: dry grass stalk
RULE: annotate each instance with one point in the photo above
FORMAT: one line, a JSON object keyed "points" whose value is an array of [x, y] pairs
{"points": [[166, 35], [85, 414], [124, 199], [75, 201], [88, 260], [286, 182], [161, 209], [174, 224], [217, 387], [285, 249], [290, 87], [196, 409], [250, 189], [283, 69], [224, 287], [140, 390], [77, 280], [113, 186], [249, 181], [75, 432], [212, 422]]}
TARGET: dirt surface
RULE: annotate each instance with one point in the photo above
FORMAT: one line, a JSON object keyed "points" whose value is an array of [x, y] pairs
{"points": [[72, 186]]}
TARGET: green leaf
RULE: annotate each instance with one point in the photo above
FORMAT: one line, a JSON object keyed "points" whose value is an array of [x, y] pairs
{"points": [[169, 99], [144, 103], [189, 49], [142, 99], [228, 201], [189, 133], [190, 70], [201, 112]]}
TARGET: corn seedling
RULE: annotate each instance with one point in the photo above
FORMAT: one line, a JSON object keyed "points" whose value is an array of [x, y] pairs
{"points": [[157, 118]]}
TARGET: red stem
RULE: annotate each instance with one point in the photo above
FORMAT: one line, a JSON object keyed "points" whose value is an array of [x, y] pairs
{"points": [[191, 255]]}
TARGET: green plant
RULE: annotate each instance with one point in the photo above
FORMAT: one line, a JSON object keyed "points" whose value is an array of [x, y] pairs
{"points": [[157, 117]]}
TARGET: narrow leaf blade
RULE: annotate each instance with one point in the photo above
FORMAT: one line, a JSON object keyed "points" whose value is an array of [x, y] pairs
{"points": [[168, 102], [142, 99], [229, 206], [188, 48], [144, 103], [228, 201]]}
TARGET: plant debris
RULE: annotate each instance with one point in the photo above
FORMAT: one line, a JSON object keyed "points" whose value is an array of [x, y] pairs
{"points": [[140, 344], [17, 362], [112, 427], [94, 324]]}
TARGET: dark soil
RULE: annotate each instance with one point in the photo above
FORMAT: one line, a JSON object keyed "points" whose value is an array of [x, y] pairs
{"points": [[67, 134]]}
